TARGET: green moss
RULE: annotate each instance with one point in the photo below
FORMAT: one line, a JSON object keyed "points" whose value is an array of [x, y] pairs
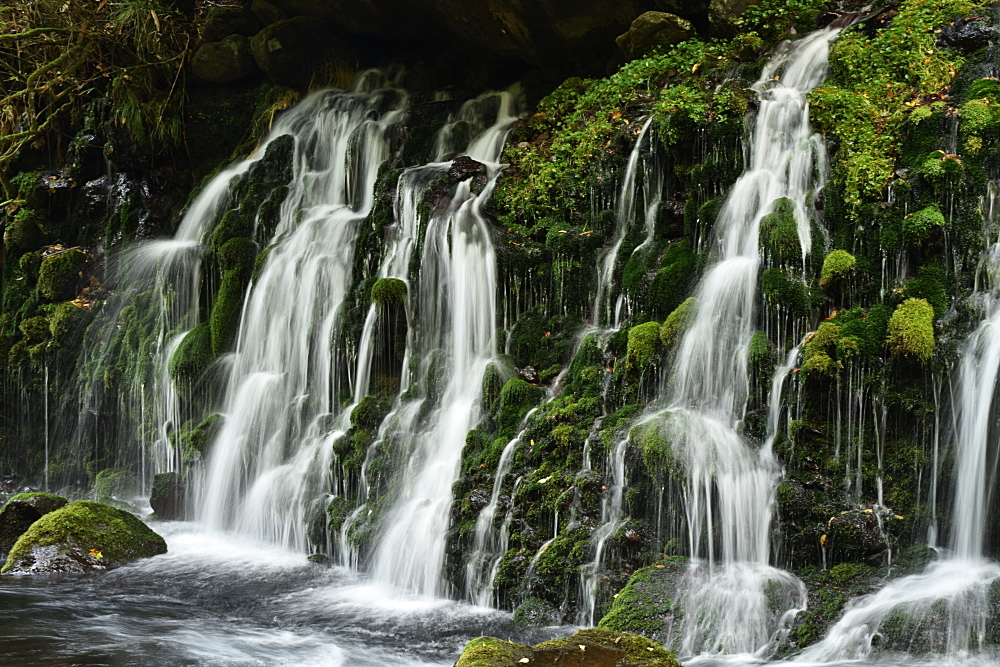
{"points": [[30, 263], [86, 527], [388, 290], [60, 276], [911, 330], [236, 258], [930, 285], [760, 348], [836, 265], [22, 231], [643, 343], [673, 280], [35, 328], [650, 438], [677, 321], [493, 652], [201, 435], [648, 605], [638, 650], [779, 234], [192, 356], [516, 398], [783, 290], [818, 347], [918, 226], [68, 322], [368, 413]]}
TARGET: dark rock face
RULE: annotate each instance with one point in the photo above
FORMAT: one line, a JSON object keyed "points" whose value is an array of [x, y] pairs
{"points": [[288, 51], [968, 34], [83, 537], [267, 13], [168, 497], [220, 22], [15, 519], [542, 32], [651, 29], [227, 61]]}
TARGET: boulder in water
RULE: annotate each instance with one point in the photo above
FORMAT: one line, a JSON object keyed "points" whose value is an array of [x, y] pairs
{"points": [[465, 167], [651, 29], [83, 536], [596, 647], [20, 512], [225, 61], [168, 497]]}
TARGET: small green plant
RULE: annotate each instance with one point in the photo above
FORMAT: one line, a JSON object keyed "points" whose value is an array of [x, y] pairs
{"points": [[836, 265]]}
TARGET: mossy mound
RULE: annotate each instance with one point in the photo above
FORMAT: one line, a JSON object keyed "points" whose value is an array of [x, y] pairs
{"points": [[20, 512], [643, 343], [676, 323], [388, 290], [60, 276], [193, 355], [648, 603], [911, 330], [596, 647], [83, 536], [838, 263]]}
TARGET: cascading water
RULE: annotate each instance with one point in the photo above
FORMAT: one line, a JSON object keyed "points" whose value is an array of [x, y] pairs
{"points": [[952, 593], [272, 456], [732, 590], [455, 338]]}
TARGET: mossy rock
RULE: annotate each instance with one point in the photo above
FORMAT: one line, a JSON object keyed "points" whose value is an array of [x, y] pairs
{"points": [[677, 322], [917, 226], [911, 330], [83, 536], [648, 605], [516, 398], [20, 512], [596, 647], [60, 276], [779, 233], [387, 291], [643, 344], [192, 356], [536, 613], [68, 322], [837, 264], [168, 497]]}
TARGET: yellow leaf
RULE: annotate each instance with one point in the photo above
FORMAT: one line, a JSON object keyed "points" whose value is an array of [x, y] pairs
{"points": [[694, 68]]}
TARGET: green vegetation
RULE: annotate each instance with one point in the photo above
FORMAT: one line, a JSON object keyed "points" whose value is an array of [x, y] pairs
{"points": [[643, 343], [836, 265], [911, 330], [97, 533], [61, 275], [388, 291], [676, 323]]}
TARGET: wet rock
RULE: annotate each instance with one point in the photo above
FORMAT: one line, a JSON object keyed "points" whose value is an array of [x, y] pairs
{"points": [[289, 51], [220, 22], [536, 613], [168, 497], [267, 13], [968, 34], [529, 375], [83, 536], [226, 61], [648, 604], [95, 194], [652, 29], [479, 499], [20, 512], [595, 647], [858, 535], [722, 12], [465, 167]]}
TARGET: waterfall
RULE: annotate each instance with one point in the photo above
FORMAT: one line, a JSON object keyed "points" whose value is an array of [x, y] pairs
{"points": [[732, 590], [955, 589], [272, 455], [455, 338]]}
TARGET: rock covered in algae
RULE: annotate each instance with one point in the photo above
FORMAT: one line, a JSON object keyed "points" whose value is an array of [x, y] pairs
{"points": [[596, 647], [649, 602], [83, 536], [20, 512]]}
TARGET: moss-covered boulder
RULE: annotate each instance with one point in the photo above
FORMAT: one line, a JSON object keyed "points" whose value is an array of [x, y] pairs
{"points": [[911, 330], [388, 291], [648, 605], [596, 647], [83, 536], [20, 512], [654, 29], [225, 61], [168, 497], [60, 276]]}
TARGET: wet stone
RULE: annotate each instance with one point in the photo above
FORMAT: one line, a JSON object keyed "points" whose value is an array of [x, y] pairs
{"points": [[465, 167]]}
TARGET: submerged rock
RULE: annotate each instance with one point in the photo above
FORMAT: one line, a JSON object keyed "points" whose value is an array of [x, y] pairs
{"points": [[20, 512], [83, 536], [595, 647]]}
